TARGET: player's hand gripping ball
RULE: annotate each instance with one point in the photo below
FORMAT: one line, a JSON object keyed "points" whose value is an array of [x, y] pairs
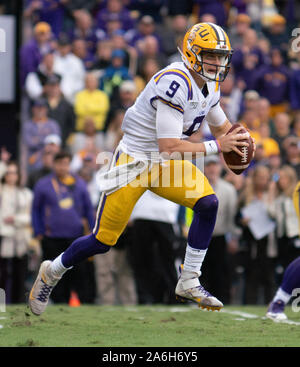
{"points": [[238, 163]]}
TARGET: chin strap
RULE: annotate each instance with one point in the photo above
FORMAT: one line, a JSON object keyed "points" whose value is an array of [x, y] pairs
{"points": [[184, 58]]}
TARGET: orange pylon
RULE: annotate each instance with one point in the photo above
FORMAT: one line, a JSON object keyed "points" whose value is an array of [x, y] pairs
{"points": [[74, 300]]}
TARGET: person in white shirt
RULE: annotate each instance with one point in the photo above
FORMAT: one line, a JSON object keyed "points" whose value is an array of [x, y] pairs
{"points": [[36, 80], [71, 69], [15, 231]]}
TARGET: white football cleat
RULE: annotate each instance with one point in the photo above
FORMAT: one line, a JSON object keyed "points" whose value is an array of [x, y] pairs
{"points": [[276, 311], [191, 290], [41, 289]]}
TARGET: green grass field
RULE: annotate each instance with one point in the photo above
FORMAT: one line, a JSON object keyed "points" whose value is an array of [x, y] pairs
{"points": [[146, 326]]}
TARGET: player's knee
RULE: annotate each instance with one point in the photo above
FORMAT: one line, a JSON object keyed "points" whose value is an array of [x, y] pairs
{"points": [[100, 247], [207, 204]]}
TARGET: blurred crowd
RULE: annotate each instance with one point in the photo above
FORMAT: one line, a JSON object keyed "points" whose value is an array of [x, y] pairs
{"points": [[82, 65]]}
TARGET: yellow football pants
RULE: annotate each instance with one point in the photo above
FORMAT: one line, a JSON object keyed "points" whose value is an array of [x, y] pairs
{"points": [[177, 180]]}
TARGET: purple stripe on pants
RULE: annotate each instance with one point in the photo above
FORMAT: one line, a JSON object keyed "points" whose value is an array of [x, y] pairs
{"points": [[113, 163]]}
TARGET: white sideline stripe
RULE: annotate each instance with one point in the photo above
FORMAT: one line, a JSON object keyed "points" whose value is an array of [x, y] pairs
{"points": [[187, 308], [181, 309], [246, 315], [253, 316], [2, 318], [291, 322], [243, 315]]}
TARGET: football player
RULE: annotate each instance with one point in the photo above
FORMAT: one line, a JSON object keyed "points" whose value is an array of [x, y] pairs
{"points": [[172, 107], [291, 277], [290, 284]]}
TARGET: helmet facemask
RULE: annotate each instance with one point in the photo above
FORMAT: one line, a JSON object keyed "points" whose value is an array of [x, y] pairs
{"points": [[221, 70]]}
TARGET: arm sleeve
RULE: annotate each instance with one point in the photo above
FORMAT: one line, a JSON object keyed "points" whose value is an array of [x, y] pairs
{"points": [[169, 122], [216, 116]]}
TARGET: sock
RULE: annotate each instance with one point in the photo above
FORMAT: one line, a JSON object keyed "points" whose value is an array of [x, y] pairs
{"points": [[281, 295], [192, 262], [203, 224], [291, 277], [199, 236], [81, 249], [57, 268]]}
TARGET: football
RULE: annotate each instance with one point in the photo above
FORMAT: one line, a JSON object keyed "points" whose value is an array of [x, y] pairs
{"points": [[235, 162]]}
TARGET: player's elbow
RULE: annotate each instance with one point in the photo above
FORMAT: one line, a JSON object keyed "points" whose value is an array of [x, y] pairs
{"points": [[168, 145]]}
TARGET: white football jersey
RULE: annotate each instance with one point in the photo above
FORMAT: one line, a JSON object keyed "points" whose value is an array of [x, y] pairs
{"points": [[174, 86]]}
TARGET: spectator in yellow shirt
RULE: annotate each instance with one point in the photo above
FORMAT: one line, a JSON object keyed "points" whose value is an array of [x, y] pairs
{"points": [[91, 102], [269, 144]]}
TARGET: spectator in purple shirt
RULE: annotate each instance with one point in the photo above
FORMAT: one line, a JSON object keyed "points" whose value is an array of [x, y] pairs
{"points": [[273, 81], [84, 29], [35, 131], [247, 58], [67, 199], [61, 211], [32, 52], [114, 10], [146, 27], [49, 11]]}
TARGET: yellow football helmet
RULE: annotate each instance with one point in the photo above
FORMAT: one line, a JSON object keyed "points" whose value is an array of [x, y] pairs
{"points": [[207, 38]]}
